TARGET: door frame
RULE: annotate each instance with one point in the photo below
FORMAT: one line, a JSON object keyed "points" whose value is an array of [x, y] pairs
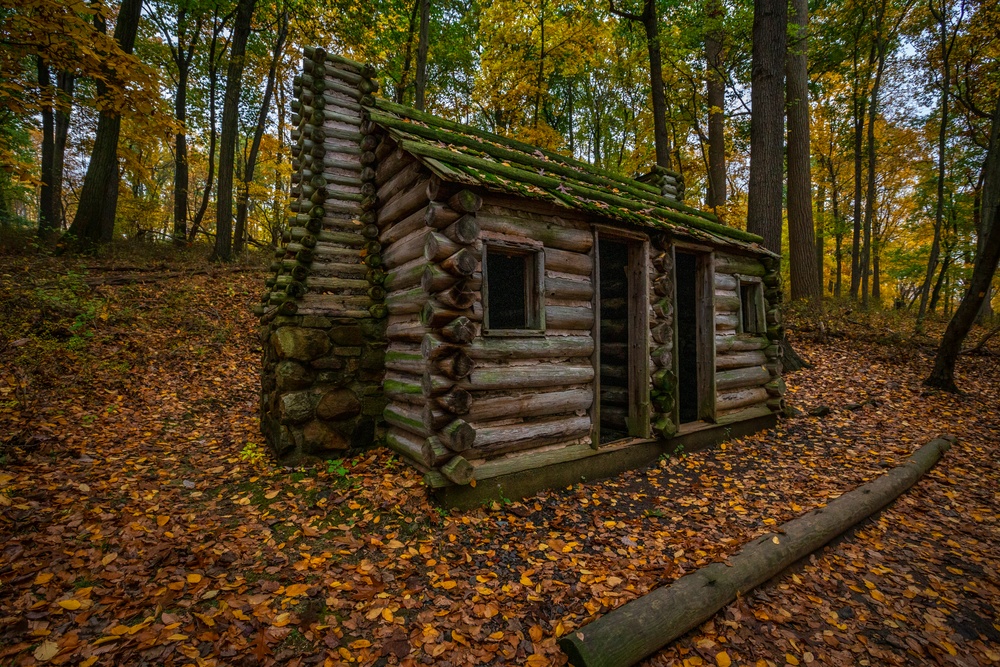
{"points": [[704, 329], [638, 326]]}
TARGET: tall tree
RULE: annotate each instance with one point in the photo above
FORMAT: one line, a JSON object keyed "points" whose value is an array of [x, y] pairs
{"points": [[420, 82], [182, 46], [770, 24], [715, 96], [47, 220], [650, 20], [95, 213], [243, 201], [943, 374], [947, 34], [804, 274], [230, 125], [65, 82]]}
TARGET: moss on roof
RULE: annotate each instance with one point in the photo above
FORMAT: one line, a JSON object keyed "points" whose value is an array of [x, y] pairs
{"points": [[463, 154]]}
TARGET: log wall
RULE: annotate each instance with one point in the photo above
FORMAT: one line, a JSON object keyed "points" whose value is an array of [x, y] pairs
{"points": [[747, 370], [662, 376], [323, 316]]}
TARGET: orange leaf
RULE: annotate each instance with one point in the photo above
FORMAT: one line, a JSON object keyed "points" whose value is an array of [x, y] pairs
{"points": [[72, 605], [722, 659], [193, 578], [43, 578], [162, 520]]}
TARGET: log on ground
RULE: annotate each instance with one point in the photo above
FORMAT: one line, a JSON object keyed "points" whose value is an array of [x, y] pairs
{"points": [[656, 619]]}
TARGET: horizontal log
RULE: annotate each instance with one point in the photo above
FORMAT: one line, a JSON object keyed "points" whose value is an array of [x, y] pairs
{"points": [[521, 404], [458, 470], [406, 301], [740, 343], [402, 180], [406, 249], [465, 201], [659, 617], [565, 288], [457, 401], [405, 276], [458, 435], [409, 445], [460, 330], [407, 416], [727, 304], [439, 215], [408, 201], [512, 436], [569, 318], [522, 377], [742, 377], [338, 269], [740, 398], [614, 373], [412, 331], [411, 223], [456, 366], [403, 387], [549, 347], [392, 165], [564, 261], [726, 321], [613, 395], [458, 297], [434, 315], [736, 264], [615, 417], [551, 233], [405, 360], [740, 359]]}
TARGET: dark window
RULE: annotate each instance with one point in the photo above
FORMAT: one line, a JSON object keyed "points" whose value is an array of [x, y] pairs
{"points": [[752, 307], [511, 286]]}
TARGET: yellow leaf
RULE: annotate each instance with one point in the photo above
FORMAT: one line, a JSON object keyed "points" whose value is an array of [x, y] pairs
{"points": [[536, 633], [360, 643], [119, 630], [614, 581], [109, 558], [722, 659], [791, 659], [295, 590], [525, 581], [105, 640], [948, 647], [89, 661], [162, 520], [448, 585], [271, 495], [176, 638], [237, 613], [537, 660], [43, 578], [776, 540], [207, 620], [72, 605], [193, 578], [497, 636], [387, 615], [281, 620], [878, 595], [46, 651]]}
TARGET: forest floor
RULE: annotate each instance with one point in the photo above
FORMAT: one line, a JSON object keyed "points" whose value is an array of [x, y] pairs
{"points": [[144, 524]]}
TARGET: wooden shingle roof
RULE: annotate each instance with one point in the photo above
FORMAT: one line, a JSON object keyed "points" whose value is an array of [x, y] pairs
{"points": [[463, 154]]}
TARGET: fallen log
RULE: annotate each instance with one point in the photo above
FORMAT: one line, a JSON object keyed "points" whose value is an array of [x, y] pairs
{"points": [[659, 617]]}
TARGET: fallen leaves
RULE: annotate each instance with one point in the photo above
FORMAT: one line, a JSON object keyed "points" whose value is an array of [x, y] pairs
{"points": [[179, 551]]}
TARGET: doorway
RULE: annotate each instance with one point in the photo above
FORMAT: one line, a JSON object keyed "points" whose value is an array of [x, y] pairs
{"points": [[622, 334], [695, 330]]}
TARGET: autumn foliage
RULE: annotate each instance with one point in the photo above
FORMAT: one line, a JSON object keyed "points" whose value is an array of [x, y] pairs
{"points": [[143, 522]]}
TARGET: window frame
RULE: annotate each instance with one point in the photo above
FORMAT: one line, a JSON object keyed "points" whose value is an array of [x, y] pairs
{"points": [[533, 252], [757, 296]]}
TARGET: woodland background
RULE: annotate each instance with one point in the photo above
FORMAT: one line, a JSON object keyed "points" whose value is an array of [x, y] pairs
{"points": [[900, 98]]}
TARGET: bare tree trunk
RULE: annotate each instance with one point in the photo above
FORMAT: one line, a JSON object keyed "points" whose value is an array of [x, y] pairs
{"points": [[230, 121], [421, 78], [64, 106], [805, 282], [243, 201], [872, 159], [95, 214], [858, 108], [770, 23], [47, 216], [990, 202], [716, 98], [650, 21], [213, 81], [941, 16], [943, 374], [400, 96]]}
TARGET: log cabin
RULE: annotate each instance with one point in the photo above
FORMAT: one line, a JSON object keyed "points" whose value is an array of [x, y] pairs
{"points": [[504, 318]]}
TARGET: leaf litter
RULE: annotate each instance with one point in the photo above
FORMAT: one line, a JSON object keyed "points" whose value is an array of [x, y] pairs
{"points": [[142, 526]]}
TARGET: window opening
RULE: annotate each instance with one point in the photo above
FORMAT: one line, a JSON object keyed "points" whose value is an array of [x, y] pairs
{"points": [[511, 289], [751, 307]]}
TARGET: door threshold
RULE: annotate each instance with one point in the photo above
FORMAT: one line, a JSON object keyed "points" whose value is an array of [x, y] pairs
{"points": [[694, 427]]}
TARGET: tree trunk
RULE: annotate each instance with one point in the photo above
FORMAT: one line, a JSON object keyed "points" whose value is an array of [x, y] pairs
{"points": [[180, 155], [230, 125], [243, 201], [770, 25], [943, 374], [939, 283], [941, 16], [880, 47], [638, 628], [858, 111], [805, 281], [421, 77], [64, 106], [716, 98], [47, 220], [95, 214], [990, 202], [213, 79]]}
